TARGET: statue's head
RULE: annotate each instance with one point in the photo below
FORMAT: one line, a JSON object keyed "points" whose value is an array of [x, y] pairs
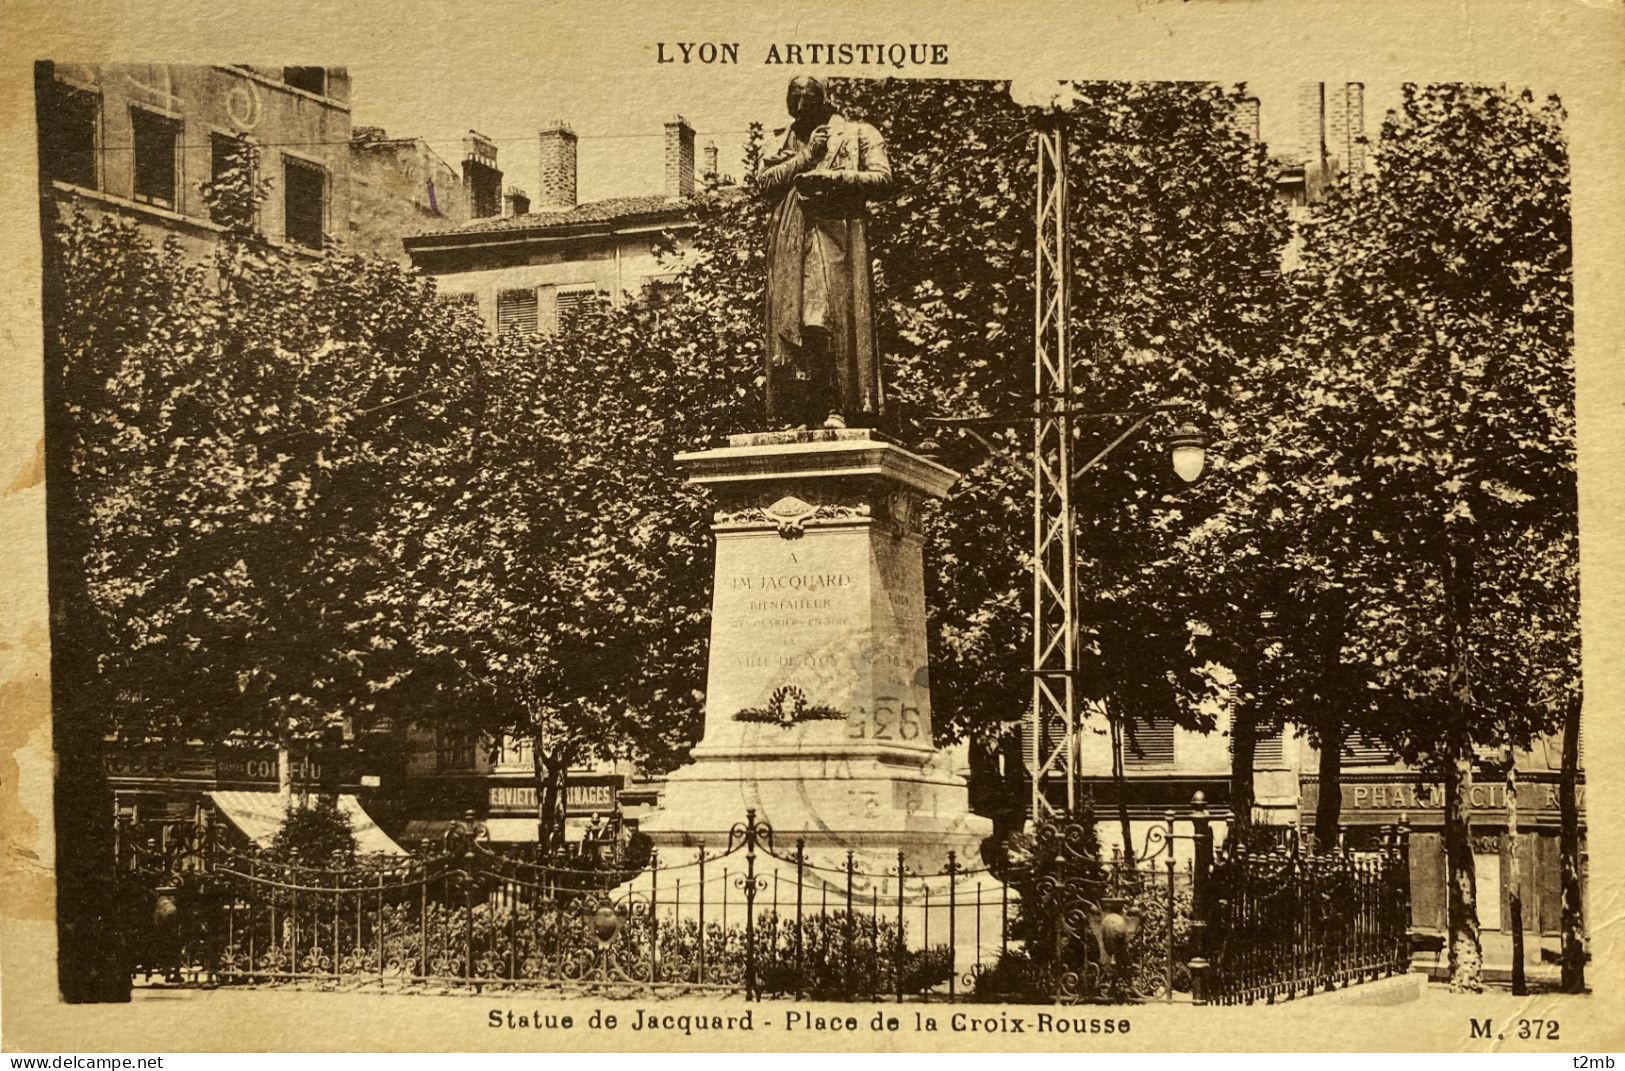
{"points": [[807, 98]]}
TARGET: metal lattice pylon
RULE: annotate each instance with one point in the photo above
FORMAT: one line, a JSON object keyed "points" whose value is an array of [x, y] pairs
{"points": [[1050, 752]]}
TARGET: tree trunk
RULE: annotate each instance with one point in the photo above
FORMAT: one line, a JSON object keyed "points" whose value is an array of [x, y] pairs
{"points": [[284, 764], [548, 775], [1120, 785], [1333, 719], [1514, 875], [91, 961], [553, 807], [1329, 802], [1466, 950], [1243, 750], [1574, 970]]}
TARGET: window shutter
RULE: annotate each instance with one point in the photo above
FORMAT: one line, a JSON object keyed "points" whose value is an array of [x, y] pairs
{"points": [[516, 312], [1361, 750], [1268, 750], [1149, 743], [568, 301], [304, 203]]}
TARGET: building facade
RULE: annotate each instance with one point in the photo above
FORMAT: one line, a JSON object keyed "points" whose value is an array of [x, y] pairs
{"points": [[142, 140], [445, 775], [521, 266], [1378, 790], [399, 186]]}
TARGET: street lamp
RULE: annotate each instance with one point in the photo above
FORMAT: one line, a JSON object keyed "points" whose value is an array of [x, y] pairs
{"points": [[1054, 418], [1187, 449]]}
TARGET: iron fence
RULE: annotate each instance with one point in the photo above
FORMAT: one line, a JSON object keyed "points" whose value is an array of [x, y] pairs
{"points": [[1056, 922], [1287, 922], [749, 918]]}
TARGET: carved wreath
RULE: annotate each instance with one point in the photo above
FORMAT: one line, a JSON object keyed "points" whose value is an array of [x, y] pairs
{"points": [[787, 706]]}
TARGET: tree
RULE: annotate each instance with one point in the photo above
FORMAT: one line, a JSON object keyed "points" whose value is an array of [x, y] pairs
{"points": [[562, 582], [238, 436], [1439, 325], [314, 836]]}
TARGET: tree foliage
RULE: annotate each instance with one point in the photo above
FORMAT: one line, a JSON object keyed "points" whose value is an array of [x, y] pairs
{"points": [[239, 435], [1403, 495], [317, 835]]}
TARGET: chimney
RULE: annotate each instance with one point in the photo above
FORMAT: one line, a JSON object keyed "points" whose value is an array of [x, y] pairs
{"points": [[482, 182], [558, 172], [711, 161], [1354, 125], [1311, 132], [679, 159], [1246, 117], [514, 202]]}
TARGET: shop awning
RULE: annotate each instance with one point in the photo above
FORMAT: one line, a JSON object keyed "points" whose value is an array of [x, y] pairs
{"points": [[258, 815], [512, 830]]}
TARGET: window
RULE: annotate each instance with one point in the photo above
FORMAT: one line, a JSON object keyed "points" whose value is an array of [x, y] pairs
{"points": [[516, 312], [155, 143], [304, 202], [68, 134], [454, 751], [310, 79], [511, 751], [1149, 743]]}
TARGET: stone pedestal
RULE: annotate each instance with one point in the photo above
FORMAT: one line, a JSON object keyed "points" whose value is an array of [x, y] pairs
{"points": [[818, 698]]}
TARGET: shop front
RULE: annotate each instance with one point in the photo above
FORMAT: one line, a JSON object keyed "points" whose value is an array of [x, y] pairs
{"points": [[1503, 865], [158, 788]]}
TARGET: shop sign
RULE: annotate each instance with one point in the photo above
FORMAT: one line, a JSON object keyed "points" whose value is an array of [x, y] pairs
{"points": [[1413, 796], [259, 766], [174, 764], [581, 797]]}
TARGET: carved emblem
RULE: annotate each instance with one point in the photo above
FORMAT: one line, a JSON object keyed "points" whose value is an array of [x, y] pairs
{"points": [[786, 707], [905, 512], [790, 515]]}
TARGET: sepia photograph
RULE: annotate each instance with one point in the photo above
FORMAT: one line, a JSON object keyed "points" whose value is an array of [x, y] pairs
{"points": [[789, 538]]}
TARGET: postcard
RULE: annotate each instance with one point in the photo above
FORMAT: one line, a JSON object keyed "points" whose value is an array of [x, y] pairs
{"points": [[1029, 527]]}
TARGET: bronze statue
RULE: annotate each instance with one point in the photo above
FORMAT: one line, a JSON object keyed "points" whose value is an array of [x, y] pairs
{"points": [[823, 367]]}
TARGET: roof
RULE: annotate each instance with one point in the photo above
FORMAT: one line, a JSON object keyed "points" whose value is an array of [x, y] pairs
{"points": [[594, 216]]}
